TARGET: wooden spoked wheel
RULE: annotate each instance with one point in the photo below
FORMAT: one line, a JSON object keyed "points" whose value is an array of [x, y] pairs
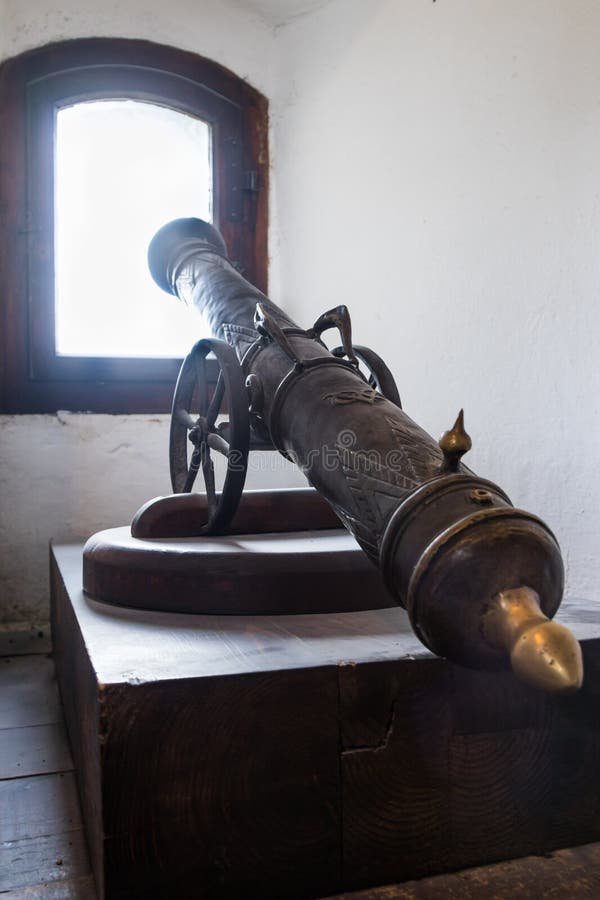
{"points": [[230, 438]]}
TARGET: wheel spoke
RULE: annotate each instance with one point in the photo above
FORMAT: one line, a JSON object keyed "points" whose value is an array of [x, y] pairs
{"points": [[216, 442], [185, 418], [215, 403], [192, 471], [209, 480]]}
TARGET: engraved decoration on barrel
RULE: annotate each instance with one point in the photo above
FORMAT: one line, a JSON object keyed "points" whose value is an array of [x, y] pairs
{"points": [[480, 579]]}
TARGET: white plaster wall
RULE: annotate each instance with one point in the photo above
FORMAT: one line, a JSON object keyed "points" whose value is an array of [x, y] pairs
{"points": [[437, 168], [279, 12], [67, 476]]}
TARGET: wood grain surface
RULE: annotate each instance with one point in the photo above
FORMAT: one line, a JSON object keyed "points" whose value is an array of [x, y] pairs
{"points": [[49, 856], [77, 888], [42, 846], [244, 777], [138, 646], [230, 752], [27, 642], [34, 807], [29, 693], [444, 768], [183, 515], [80, 694], [396, 790], [323, 571], [574, 872], [36, 750]]}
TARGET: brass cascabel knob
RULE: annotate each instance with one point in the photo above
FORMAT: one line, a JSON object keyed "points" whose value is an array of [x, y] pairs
{"points": [[542, 653], [454, 444]]}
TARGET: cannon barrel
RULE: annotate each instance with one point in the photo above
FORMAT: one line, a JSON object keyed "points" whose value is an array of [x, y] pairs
{"points": [[479, 579]]}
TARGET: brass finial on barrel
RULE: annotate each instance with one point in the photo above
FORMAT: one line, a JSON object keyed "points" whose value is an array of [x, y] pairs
{"points": [[454, 444]]}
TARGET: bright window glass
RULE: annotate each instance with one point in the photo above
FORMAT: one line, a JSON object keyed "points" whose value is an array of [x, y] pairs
{"points": [[123, 168]]}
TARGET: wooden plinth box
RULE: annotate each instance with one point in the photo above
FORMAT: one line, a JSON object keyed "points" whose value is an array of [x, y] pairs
{"points": [[300, 756]]}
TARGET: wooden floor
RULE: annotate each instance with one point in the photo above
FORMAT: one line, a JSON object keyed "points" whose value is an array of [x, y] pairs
{"points": [[562, 875], [42, 846], [43, 854]]}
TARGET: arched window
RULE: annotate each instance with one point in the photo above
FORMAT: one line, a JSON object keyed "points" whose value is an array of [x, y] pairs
{"points": [[101, 142]]}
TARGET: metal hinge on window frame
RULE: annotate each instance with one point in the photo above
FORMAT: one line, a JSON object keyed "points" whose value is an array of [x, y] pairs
{"points": [[234, 201], [251, 183], [242, 186]]}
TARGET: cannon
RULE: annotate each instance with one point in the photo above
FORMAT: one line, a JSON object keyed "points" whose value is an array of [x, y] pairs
{"points": [[480, 579]]}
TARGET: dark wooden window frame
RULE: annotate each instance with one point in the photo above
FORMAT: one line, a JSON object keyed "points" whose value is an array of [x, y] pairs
{"points": [[33, 379]]}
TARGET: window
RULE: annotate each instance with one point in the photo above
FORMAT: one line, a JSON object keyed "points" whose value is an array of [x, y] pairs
{"points": [[102, 142], [122, 169]]}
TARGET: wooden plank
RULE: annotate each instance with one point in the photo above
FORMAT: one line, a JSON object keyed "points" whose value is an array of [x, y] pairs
{"points": [[50, 857], [499, 766], [501, 785], [445, 767], [487, 702], [28, 692], [574, 810], [395, 734], [35, 750], [26, 642], [573, 872], [37, 806], [226, 783], [233, 750], [82, 888], [131, 645], [80, 697]]}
